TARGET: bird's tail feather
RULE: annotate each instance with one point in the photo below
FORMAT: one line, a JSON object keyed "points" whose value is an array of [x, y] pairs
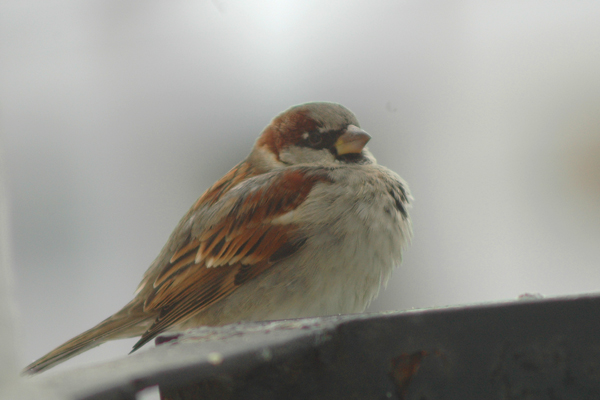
{"points": [[123, 324]]}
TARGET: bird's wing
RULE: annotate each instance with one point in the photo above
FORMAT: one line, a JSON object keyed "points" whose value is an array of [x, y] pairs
{"points": [[230, 238]]}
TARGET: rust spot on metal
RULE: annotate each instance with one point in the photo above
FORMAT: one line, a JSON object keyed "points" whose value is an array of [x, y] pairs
{"points": [[166, 339], [404, 368]]}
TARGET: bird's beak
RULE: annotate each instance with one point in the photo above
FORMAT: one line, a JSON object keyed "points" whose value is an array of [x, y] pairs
{"points": [[352, 141]]}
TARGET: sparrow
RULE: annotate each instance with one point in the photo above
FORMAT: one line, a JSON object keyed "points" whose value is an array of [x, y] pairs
{"points": [[307, 225]]}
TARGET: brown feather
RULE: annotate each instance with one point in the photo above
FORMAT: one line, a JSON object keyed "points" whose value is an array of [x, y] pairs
{"points": [[190, 247], [238, 248], [174, 268], [129, 322], [237, 174], [208, 286]]}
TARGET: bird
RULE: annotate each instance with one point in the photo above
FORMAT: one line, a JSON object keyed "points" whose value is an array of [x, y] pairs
{"points": [[307, 225]]}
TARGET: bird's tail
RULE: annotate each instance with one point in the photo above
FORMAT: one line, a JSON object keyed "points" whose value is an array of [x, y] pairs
{"points": [[124, 324]]}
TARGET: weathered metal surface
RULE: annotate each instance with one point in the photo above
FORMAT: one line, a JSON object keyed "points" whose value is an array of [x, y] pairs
{"points": [[535, 349]]}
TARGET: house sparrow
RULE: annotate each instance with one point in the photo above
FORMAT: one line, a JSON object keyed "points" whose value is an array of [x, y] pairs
{"points": [[307, 225]]}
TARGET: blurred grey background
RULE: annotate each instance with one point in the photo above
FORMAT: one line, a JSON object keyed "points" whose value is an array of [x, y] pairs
{"points": [[116, 115]]}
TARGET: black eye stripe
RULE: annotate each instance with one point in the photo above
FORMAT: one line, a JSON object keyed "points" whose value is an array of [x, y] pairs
{"points": [[315, 138], [320, 140], [326, 140]]}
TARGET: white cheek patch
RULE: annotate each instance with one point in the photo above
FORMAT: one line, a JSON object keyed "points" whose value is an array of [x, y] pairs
{"points": [[287, 218], [268, 159], [304, 155]]}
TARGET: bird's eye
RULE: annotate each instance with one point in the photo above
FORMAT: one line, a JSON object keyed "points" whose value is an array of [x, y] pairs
{"points": [[314, 138]]}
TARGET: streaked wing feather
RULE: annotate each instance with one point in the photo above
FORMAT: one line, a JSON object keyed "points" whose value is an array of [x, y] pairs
{"points": [[233, 250]]}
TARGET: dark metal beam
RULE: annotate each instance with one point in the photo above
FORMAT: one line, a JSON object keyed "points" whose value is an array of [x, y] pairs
{"points": [[534, 349]]}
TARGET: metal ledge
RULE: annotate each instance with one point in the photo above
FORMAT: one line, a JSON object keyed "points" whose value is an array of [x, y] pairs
{"points": [[534, 349]]}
